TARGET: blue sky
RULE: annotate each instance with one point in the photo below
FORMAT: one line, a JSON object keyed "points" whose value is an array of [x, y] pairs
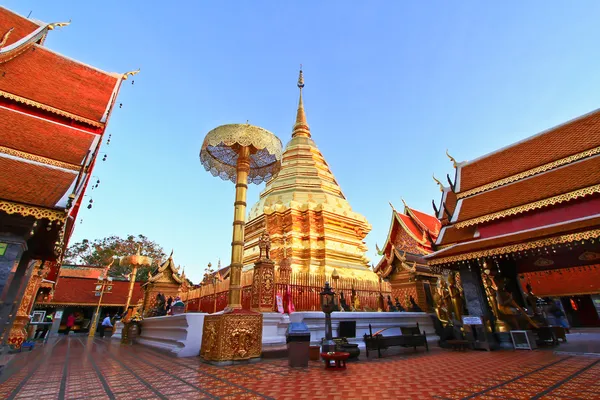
{"points": [[389, 86]]}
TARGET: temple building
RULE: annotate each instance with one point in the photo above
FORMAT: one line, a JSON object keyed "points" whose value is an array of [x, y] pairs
{"points": [[74, 294], [53, 117], [304, 210], [412, 235], [522, 214]]}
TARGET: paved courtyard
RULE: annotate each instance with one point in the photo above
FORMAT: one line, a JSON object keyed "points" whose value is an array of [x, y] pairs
{"points": [[79, 368]]}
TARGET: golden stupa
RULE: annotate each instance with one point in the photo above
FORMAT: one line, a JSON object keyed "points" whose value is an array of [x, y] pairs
{"points": [[303, 209]]}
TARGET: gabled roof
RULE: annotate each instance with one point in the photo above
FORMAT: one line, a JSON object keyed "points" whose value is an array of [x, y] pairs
{"points": [[166, 272], [425, 221], [555, 169]]}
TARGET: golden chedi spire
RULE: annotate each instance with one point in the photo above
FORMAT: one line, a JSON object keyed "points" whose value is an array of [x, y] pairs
{"points": [[304, 206], [301, 126]]}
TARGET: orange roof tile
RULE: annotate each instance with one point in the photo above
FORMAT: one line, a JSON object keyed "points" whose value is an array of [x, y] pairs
{"points": [[453, 235], [429, 222], [43, 138], [562, 141], [51, 79], [70, 290], [22, 26], [33, 184], [552, 183]]}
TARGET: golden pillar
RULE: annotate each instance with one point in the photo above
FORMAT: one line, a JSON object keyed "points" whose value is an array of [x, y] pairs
{"points": [[134, 261], [240, 153]]}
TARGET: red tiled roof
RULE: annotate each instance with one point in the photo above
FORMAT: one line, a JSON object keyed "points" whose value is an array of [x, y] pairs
{"points": [[51, 79], [518, 237], [552, 183], [80, 272], [562, 141], [43, 138], [432, 224], [33, 184], [22, 26], [70, 290]]}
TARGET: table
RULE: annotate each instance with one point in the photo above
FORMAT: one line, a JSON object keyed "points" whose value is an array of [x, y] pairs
{"points": [[338, 358]]}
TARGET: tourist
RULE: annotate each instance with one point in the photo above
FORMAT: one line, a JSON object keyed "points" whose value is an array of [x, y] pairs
{"points": [[105, 323], [70, 323]]}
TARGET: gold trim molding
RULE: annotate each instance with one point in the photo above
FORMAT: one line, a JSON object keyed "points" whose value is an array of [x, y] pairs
{"points": [[569, 238], [40, 159], [32, 211], [45, 107], [531, 206], [528, 173]]}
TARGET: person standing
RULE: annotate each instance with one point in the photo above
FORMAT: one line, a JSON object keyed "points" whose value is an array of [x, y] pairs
{"points": [[105, 324], [70, 323]]}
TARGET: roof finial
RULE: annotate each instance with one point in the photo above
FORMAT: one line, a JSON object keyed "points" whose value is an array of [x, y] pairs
{"points": [[301, 126], [54, 25], [391, 205], [454, 163], [439, 183], [5, 37]]}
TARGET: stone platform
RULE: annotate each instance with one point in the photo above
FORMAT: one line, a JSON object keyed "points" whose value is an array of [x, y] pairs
{"points": [[181, 335]]}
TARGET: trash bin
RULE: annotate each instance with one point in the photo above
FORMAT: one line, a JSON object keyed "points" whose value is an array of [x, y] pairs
{"points": [[297, 338]]}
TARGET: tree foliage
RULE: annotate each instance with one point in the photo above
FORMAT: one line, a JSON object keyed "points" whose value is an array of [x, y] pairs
{"points": [[101, 251]]}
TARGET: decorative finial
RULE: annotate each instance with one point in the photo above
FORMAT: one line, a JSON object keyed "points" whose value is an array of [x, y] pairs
{"points": [[301, 78], [452, 159], [301, 126], [391, 205], [219, 264], [379, 251], [130, 73], [439, 183], [403, 202], [5, 37], [58, 25], [171, 255]]}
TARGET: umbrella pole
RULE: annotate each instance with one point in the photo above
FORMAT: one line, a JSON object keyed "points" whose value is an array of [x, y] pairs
{"points": [[239, 221]]}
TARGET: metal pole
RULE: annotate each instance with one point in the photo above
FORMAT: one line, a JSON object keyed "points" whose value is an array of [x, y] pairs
{"points": [[92, 332]]}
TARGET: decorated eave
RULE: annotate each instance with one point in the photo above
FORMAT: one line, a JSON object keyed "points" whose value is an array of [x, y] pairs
{"points": [[53, 113], [539, 191], [166, 273], [411, 263]]}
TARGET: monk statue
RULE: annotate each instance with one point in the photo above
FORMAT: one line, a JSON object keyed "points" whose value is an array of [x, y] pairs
{"points": [[441, 309], [343, 303], [490, 293], [455, 297], [264, 245], [398, 305], [508, 309], [391, 306], [354, 300]]}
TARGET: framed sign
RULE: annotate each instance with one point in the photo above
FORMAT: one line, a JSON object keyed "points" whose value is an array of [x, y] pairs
{"points": [[471, 320], [3, 247], [38, 316], [523, 340]]}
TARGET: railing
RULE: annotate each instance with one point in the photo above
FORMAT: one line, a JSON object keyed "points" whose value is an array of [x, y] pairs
{"points": [[304, 289]]}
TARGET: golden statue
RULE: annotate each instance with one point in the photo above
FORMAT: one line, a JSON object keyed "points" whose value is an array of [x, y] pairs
{"points": [[354, 300], [441, 308], [264, 245], [508, 309], [455, 297], [490, 293]]}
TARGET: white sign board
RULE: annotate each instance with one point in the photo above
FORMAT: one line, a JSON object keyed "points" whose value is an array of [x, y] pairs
{"points": [[471, 320]]}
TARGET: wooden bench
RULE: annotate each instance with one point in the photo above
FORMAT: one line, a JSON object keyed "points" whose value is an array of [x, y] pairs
{"points": [[411, 337]]}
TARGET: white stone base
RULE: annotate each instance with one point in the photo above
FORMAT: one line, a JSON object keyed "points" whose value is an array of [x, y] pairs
{"points": [[181, 335]]}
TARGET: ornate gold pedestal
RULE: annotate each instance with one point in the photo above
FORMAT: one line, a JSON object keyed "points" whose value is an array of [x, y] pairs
{"points": [[263, 286], [232, 336]]}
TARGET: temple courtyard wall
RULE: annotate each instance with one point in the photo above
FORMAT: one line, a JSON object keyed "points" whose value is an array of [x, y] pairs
{"points": [[181, 335]]}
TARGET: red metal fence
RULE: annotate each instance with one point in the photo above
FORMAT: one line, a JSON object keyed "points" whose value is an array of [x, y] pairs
{"points": [[304, 288]]}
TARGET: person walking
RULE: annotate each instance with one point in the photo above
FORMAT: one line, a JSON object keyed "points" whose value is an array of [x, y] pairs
{"points": [[105, 324], [70, 323]]}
